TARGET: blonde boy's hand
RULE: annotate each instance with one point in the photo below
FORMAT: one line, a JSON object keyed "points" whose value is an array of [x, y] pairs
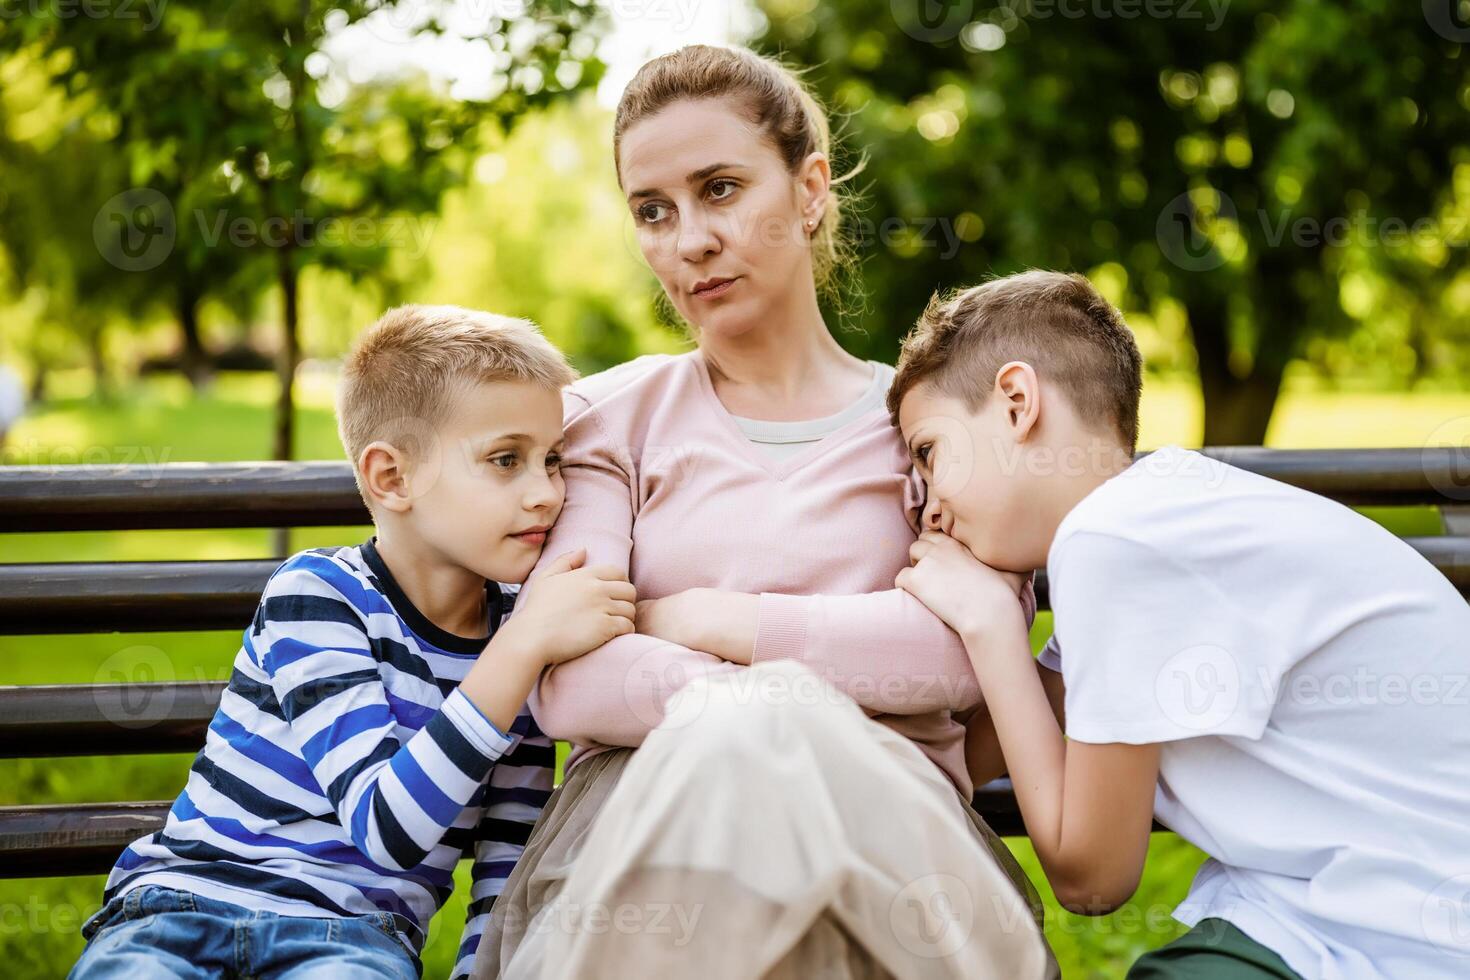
{"points": [[975, 600], [573, 609]]}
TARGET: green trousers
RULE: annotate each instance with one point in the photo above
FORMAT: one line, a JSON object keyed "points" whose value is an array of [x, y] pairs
{"points": [[1212, 950]]}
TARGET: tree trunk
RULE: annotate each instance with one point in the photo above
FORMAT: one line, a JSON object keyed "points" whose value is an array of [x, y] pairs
{"points": [[194, 360], [1237, 410], [98, 362], [290, 357], [38, 383]]}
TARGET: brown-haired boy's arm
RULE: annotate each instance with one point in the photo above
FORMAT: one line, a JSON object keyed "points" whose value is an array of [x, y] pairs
{"points": [[983, 756], [1088, 808]]}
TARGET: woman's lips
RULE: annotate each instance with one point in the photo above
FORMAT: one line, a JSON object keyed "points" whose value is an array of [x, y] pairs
{"points": [[719, 289]]}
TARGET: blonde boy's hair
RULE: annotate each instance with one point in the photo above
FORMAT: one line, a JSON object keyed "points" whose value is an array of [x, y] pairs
{"points": [[404, 372], [1055, 321]]}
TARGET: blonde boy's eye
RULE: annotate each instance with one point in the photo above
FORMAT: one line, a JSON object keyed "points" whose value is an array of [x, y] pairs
{"points": [[553, 461], [503, 461]]}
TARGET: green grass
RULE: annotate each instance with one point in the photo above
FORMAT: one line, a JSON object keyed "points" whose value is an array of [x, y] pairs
{"points": [[159, 421]]}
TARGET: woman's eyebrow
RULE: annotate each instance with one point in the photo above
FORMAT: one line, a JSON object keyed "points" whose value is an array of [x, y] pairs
{"points": [[694, 177]]}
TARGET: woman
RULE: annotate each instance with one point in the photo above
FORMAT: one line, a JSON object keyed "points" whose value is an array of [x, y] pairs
{"points": [[800, 808]]}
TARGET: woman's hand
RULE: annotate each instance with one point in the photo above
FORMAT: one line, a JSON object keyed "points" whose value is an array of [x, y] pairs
{"points": [[715, 622]]}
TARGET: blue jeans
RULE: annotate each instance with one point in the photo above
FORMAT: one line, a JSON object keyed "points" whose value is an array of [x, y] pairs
{"points": [[162, 932]]}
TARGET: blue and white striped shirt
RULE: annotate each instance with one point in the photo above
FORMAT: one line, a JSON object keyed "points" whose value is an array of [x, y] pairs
{"points": [[344, 772]]}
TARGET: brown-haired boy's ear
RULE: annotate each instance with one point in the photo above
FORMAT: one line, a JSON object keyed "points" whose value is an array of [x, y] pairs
{"points": [[1016, 382], [384, 474]]}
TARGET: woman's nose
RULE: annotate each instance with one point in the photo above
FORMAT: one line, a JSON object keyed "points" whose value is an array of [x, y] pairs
{"points": [[697, 238]]}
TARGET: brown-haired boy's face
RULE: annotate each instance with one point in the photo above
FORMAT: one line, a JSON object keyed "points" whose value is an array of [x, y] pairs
{"points": [[975, 473], [492, 479]]}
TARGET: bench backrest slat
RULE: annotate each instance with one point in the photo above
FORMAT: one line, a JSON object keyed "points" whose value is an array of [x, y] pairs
{"points": [[215, 495]]}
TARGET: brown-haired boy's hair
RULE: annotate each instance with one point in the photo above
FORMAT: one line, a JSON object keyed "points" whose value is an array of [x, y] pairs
{"points": [[405, 371], [1055, 321]]}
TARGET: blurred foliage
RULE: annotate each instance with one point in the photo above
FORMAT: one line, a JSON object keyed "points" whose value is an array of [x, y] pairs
{"points": [[234, 148], [1258, 185], [1271, 177]]}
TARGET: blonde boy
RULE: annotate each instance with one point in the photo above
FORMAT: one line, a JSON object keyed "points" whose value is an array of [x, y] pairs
{"points": [[374, 725]]}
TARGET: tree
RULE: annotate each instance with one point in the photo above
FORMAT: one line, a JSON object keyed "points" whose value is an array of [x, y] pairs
{"points": [[46, 224], [240, 159], [1214, 153]]}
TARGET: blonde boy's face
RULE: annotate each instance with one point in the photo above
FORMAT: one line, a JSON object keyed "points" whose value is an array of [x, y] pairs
{"points": [[975, 473], [490, 486]]}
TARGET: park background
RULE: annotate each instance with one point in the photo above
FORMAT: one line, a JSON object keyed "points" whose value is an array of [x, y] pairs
{"points": [[199, 198]]}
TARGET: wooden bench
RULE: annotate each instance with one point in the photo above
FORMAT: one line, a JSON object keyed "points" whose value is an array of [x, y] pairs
{"points": [[49, 721]]}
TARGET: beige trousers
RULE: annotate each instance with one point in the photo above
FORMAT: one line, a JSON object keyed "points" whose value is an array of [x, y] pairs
{"points": [[766, 829]]}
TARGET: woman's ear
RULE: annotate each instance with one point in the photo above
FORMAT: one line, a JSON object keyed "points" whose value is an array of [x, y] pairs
{"points": [[1017, 384], [384, 472], [814, 181]]}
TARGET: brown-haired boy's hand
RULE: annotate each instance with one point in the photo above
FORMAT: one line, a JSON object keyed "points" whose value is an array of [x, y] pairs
{"points": [[970, 596], [574, 608]]}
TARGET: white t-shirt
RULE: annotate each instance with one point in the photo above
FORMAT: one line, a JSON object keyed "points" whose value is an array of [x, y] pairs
{"points": [[1307, 675], [782, 440], [12, 398]]}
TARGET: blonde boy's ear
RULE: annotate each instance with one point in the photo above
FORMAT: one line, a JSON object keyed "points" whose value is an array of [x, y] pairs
{"points": [[383, 470], [1016, 383]]}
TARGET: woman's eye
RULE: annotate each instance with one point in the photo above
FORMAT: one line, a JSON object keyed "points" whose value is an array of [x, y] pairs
{"points": [[651, 214], [716, 186]]}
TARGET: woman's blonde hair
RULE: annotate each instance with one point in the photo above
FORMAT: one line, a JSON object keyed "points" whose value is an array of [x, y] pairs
{"points": [[775, 99]]}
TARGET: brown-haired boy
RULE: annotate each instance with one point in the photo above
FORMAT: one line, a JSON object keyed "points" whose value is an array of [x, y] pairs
{"points": [[1228, 645], [374, 725]]}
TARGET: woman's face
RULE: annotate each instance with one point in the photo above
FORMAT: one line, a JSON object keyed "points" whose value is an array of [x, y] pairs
{"points": [[721, 220]]}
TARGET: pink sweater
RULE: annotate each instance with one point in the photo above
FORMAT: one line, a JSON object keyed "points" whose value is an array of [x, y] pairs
{"points": [[662, 482]]}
